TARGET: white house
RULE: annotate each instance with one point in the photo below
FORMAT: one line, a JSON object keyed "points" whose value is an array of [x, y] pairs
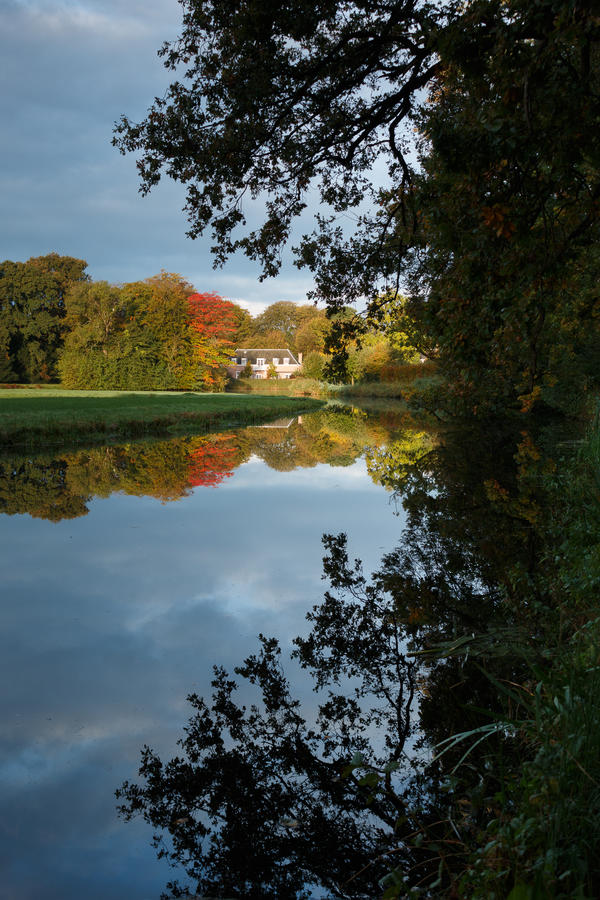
{"points": [[260, 359]]}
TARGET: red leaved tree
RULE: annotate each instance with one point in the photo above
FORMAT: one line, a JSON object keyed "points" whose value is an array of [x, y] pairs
{"points": [[213, 322]]}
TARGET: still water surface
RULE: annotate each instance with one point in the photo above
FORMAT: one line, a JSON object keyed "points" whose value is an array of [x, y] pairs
{"points": [[127, 573]]}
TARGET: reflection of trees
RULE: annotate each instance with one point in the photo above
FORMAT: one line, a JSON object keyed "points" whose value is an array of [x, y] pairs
{"points": [[213, 460], [391, 464], [336, 436], [261, 803], [265, 802], [39, 487], [58, 488]]}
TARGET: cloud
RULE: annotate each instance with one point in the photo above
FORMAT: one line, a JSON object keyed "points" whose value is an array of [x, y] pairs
{"points": [[70, 70]]}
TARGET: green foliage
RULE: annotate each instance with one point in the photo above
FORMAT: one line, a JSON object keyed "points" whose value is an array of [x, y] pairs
{"points": [[311, 335], [506, 203], [313, 365], [161, 313], [286, 324], [495, 231], [545, 835], [246, 372], [390, 315], [134, 337], [32, 312]]}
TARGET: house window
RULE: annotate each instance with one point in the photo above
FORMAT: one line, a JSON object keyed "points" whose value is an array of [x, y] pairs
{"points": [[286, 360], [243, 361], [259, 361], [275, 360]]}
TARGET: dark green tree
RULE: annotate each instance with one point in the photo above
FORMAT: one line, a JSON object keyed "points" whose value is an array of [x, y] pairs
{"points": [[32, 313], [494, 230]]}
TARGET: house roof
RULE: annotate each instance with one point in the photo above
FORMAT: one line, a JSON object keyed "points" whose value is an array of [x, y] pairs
{"points": [[266, 353]]}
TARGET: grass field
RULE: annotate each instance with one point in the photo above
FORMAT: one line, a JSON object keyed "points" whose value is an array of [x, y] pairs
{"points": [[32, 416]]}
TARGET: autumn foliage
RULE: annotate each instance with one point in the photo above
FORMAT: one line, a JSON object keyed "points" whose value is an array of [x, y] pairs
{"points": [[213, 323], [212, 316], [212, 461]]}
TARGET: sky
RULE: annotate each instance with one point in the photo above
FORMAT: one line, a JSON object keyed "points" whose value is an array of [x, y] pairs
{"points": [[69, 70]]}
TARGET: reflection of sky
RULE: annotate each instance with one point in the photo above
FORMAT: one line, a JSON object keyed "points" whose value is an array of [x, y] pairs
{"points": [[110, 620]]}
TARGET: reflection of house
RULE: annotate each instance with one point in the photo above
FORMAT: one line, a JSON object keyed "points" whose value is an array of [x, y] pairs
{"points": [[283, 360], [280, 423]]}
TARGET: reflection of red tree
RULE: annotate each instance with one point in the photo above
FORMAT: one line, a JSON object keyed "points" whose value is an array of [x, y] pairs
{"points": [[212, 461]]}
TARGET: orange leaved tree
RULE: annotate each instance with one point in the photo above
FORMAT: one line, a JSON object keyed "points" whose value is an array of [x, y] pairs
{"points": [[213, 322]]}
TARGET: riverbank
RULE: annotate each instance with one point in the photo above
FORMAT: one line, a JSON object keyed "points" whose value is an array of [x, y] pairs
{"points": [[417, 385], [54, 415], [531, 816]]}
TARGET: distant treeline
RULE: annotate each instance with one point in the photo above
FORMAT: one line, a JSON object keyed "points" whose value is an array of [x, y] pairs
{"points": [[57, 325], [59, 486]]}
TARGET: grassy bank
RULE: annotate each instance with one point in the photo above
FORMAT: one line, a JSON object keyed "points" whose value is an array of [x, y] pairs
{"points": [[417, 385], [289, 387], [30, 416]]}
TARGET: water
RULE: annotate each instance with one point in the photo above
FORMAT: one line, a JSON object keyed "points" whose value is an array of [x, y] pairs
{"points": [[127, 573]]}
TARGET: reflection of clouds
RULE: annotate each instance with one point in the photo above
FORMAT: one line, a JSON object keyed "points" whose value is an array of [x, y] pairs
{"points": [[111, 620], [320, 477]]}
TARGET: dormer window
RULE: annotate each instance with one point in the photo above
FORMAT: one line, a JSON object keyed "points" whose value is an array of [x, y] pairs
{"points": [[260, 361], [286, 360], [275, 360]]}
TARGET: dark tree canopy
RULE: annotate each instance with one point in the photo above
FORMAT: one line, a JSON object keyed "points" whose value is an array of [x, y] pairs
{"points": [[32, 313], [480, 117], [275, 101]]}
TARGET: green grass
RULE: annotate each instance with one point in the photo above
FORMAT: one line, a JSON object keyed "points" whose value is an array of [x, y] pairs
{"points": [[30, 416]]}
